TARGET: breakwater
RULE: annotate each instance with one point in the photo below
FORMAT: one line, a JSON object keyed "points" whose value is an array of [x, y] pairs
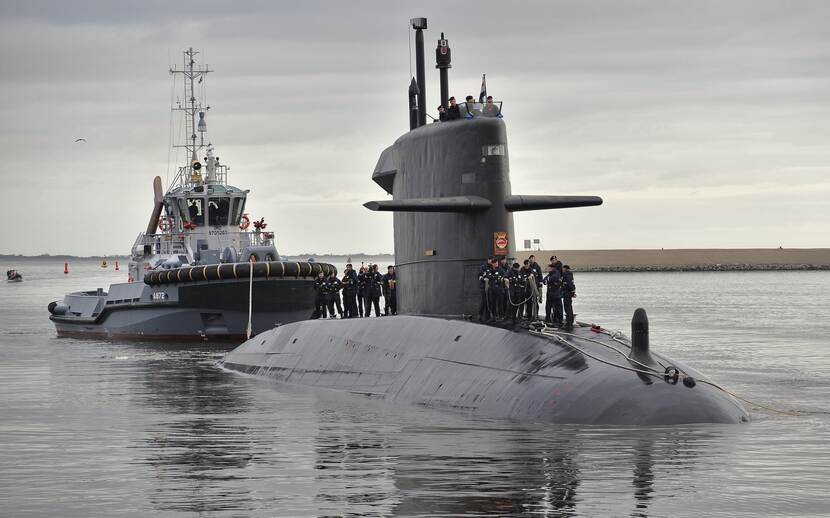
{"points": [[689, 260]]}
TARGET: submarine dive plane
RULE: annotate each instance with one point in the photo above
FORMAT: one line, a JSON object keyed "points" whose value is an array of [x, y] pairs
{"points": [[199, 271], [453, 206]]}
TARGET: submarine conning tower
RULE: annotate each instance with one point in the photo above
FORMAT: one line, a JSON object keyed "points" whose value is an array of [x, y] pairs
{"points": [[451, 195]]}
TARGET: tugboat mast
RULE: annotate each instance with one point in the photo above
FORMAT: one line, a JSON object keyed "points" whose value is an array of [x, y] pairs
{"points": [[190, 107]]}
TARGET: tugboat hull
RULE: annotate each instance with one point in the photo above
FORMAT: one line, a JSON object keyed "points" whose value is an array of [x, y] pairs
{"points": [[191, 311]]}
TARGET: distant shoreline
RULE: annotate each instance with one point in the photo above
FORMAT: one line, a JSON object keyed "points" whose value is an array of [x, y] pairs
{"points": [[689, 260], [636, 260]]}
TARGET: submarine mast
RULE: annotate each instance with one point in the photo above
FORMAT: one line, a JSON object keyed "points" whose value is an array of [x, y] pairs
{"points": [[420, 24], [443, 63]]}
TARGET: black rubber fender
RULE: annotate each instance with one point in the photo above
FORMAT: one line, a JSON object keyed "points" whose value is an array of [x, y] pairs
{"points": [[224, 271]]}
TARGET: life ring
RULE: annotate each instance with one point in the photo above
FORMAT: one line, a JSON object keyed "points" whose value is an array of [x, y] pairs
{"points": [[245, 222], [165, 224]]}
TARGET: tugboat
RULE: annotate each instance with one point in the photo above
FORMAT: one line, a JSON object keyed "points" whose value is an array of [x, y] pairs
{"points": [[452, 204], [13, 276], [199, 271]]}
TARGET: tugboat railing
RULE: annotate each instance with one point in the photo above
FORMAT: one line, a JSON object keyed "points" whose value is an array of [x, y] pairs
{"points": [[176, 243], [184, 179]]}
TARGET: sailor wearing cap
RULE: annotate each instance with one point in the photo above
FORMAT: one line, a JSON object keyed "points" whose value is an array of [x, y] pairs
{"points": [[350, 291]]}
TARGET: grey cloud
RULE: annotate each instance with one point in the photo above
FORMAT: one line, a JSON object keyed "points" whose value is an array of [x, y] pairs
{"points": [[699, 101]]}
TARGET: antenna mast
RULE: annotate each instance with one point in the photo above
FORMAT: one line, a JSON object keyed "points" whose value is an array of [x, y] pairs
{"points": [[191, 106]]}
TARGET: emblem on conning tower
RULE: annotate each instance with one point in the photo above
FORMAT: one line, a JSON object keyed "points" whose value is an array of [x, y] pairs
{"points": [[500, 243]]}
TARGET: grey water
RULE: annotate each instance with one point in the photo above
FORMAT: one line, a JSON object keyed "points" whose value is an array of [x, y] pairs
{"points": [[97, 428]]}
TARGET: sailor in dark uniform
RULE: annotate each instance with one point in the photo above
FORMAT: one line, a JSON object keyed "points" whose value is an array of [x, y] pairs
{"points": [[452, 111], [528, 300], [350, 291], [504, 270], [532, 307], [363, 292], [375, 281], [328, 298], [531, 261], [390, 291], [553, 303], [334, 286], [518, 287], [568, 293], [497, 294], [320, 300], [483, 286]]}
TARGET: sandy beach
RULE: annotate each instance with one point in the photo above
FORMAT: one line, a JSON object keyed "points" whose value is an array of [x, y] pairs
{"points": [[689, 259]]}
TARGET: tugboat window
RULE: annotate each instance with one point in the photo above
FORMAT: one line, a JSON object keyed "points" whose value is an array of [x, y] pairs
{"points": [[238, 207], [196, 210], [218, 209]]}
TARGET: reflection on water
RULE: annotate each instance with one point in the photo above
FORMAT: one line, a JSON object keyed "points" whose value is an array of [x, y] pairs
{"points": [[643, 480], [94, 428], [198, 445]]}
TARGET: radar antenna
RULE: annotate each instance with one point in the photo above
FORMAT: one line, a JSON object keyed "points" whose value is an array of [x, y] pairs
{"points": [[192, 106]]}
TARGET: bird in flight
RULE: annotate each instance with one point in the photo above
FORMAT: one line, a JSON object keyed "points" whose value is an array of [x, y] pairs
{"points": [[80, 140]]}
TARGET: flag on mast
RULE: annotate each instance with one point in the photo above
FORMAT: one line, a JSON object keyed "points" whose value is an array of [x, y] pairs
{"points": [[483, 93]]}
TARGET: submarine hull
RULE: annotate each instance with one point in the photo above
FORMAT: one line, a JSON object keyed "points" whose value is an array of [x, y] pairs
{"points": [[579, 377]]}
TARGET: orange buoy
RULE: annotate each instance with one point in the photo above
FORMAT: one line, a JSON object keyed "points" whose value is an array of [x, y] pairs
{"points": [[66, 268]]}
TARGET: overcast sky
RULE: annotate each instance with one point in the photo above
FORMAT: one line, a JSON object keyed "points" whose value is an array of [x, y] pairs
{"points": [[701, 124]]}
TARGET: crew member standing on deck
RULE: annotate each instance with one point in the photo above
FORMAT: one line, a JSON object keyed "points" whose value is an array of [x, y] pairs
{"points": [[375, 290], [568, 293], [349, 282], [483, 285], [504, 270], [328, 297], [497, 295], [320, 300], [334, 288], [390, 291], [553, 303], [518, 286], [529, 304], [363, 292], [533, 306]]}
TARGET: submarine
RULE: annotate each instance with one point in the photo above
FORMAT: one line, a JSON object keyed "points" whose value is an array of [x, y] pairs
{"points": [[451, 197]]}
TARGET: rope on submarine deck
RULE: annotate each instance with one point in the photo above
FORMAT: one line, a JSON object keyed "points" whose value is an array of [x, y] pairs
{"points": [[650, 372]]}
